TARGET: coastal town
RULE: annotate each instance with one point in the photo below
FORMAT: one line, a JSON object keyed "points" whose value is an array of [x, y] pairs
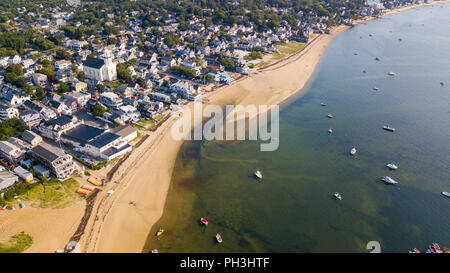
{"points": [[82, 83]]}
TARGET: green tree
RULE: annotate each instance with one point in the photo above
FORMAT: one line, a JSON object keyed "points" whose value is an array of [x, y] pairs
{"points": [[123, 73], [16, 69], [98, 110], [11, 127]]}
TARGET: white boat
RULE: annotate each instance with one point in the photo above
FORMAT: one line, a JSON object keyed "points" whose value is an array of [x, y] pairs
{"points": [[154, 250], [387, 128], [219, 238], [444, 193], [390, 73], [258, 174], [376, 88], [323, 104], [389, 180], [353, 151], [330, 130], [338, 196], [392, 166]]}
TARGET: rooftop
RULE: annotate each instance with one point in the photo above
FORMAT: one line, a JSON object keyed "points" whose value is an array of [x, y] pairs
{"points": [[103, 140], [83, 133]]}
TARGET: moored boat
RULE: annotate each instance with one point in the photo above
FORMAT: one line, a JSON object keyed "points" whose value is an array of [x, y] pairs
{"points": [[160, 232], [387, 128], [392, 166], [204, 221], [330, 130], [390, 73], [330, 115], [258, 174], [323, 104], [353, 151], [218, 238], [337, 196], [389, 180], [154, 250]]}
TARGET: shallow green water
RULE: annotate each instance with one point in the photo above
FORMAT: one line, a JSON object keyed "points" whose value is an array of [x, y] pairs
{"points": [[292, 209]]}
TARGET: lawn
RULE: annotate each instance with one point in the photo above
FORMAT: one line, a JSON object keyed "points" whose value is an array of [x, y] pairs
{"points": [[17, 244], [54, 194], [285, 49]]}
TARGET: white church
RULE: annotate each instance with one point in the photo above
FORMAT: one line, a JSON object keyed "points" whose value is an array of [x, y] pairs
{"points": [[101, 69]]}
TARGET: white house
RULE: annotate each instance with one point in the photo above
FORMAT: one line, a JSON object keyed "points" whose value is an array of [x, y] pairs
{"points": [[7, 112], [109, 99]]}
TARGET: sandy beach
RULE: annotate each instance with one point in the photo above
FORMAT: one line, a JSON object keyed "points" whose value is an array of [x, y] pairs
{"points": [[120, 222]]}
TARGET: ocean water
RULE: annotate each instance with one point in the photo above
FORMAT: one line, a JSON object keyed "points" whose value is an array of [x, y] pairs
{"points": [[292, 209]]}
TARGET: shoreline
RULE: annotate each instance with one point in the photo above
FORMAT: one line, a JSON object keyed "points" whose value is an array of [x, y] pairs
{"points": [[145, 177]]}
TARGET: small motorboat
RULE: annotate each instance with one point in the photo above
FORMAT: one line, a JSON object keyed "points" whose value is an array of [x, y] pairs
{"points": [[377, 59], [154, 250], [442, 83], [204, 221], [415, 250], [330, 115], [390, 73], [400, 39], [323, 104], [364, 71], [387, 128], [330, 130], [436, 246], [392, 166], [432, 249], [389, 180], [447, 194], [376, 88], [258, 174], [338, 196], [219, 238], [353, 151], [160, 232]]}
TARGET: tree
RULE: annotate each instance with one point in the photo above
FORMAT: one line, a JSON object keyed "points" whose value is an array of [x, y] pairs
{"points": [[100, 88], [64, 87], [98, 110], [11, 127], [123, 73], [171, 40], [16, 69], [62, 54], [227, 63], [209, 78], [81, 76], [141, 82], [39, 94]]}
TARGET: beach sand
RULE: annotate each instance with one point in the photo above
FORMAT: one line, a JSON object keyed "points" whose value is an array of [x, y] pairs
{"points": [[116, 225]]}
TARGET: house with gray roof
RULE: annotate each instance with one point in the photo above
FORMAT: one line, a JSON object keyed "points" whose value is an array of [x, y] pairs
{"points": [[59, 163]]}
